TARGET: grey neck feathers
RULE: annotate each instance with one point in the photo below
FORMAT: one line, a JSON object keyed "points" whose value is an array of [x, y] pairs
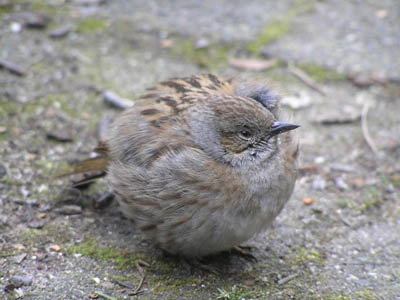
{"points": [[205, 134]]}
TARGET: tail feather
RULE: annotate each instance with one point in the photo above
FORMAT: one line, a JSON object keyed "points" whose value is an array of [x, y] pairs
{"points": [[90, 165], [86, 172], [84, 180], [102, 149], [97, 164]]}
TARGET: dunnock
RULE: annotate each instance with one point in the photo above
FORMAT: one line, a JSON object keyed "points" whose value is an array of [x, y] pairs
{"points": [[200, 164]]}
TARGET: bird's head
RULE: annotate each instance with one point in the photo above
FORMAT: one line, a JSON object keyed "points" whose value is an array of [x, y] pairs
{"points": [[236, 130]]}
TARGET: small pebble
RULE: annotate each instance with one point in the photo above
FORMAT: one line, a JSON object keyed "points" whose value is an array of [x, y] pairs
{"points": [[303, 100], [60, 136], [202, 43], [32, 202], [19, 258], [32, 20], [45, 208], [344, 117], [341, 184], [3, 219], [343, 168], [389, 189], [96, 280], [16, 27], [69, 210], [358, 182], [36, 224], [25, 192], [116, 101], [60, 32], [318, 184], [107, 285], [55, 247], [3, 170], [20, 280], [319, 160], [308, 201], [167, 43]]}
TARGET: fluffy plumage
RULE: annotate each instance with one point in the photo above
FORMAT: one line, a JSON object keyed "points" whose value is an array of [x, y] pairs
{"points": [[202, 164]]}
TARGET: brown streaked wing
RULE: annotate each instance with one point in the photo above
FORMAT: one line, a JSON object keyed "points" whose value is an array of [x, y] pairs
{"points": [[165, 101]]}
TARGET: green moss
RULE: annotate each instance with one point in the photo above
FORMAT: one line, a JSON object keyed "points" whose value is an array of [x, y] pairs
{"points": [[271, 33], [120, 278], [40, 6], [32, 237], [343, 203], [61, 100], [5, 10], [91, 25], [373, 199], [209, 58], [395, 180], [305, 256], [367, 295], [369, 199], [278, 28], [339, 297], [64, 103], [321, 74], [41, 67], [236, 293], [8, 107], [120, 258], [45, 164], [3, 136], [359, 295], [43, 6]]}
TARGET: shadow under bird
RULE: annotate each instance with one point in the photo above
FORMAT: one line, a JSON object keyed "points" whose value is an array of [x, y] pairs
{"points": [[201, 164]]}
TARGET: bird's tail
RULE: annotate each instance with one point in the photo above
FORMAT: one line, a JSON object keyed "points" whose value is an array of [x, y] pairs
{"points": [[88, 170]]}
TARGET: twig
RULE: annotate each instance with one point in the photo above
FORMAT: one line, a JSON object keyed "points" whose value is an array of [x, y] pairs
{"points": [[306, 79], [139, 265], [125, 284], [288, 278], [364, 127], [17, 70], [61, 31], [104, 296]]}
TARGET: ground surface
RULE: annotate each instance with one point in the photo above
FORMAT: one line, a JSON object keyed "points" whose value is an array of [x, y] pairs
{"points": [[344, 245]]}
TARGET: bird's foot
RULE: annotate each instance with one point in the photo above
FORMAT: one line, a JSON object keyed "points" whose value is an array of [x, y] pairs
{"points": [[244, 251]]}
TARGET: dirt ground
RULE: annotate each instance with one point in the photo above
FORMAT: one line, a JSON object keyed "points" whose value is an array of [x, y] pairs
{"points": [[337, 65]]}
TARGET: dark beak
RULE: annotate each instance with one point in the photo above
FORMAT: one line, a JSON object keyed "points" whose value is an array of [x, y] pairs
{"points": [[280, 127]]}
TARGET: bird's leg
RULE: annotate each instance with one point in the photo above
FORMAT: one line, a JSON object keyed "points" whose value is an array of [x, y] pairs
{"points": [[191, 264], [104, 200], [195, 263], [244, 251]]}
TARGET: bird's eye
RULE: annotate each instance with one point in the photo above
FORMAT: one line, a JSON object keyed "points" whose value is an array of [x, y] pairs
{"points": [[245, 133]]}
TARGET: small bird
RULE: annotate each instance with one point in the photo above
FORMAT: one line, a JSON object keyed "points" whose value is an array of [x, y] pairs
{"points": [[200, 164]]}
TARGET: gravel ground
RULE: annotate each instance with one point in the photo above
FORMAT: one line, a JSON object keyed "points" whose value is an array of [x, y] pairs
{"points": [[339, 236]]}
